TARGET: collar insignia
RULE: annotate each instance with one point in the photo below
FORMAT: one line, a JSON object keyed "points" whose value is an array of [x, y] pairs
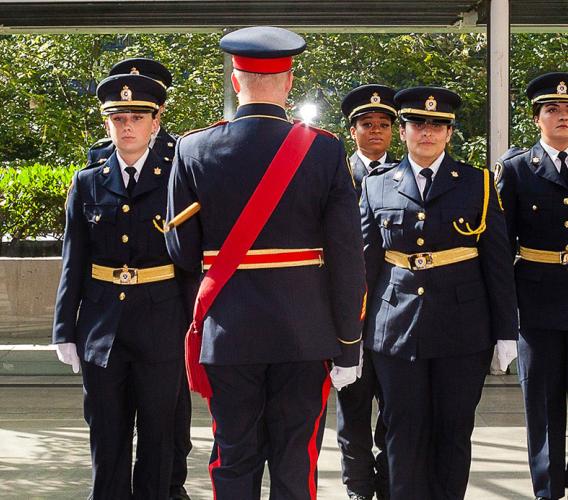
{"points": [[454, 174], [106, 170], [536, 160], [397, 175], [157, 171]]}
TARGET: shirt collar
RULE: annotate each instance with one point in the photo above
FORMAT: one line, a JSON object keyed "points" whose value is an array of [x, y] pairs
{"points": [[260, 110], [434, 167], [138, 164], [366, 161], [553, 153]]}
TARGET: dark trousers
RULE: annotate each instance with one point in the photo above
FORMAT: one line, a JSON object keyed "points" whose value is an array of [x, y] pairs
{"points": [[543, 373], [182, 436], [113, 396], [267, 413], [354, 433], [429, 413]]}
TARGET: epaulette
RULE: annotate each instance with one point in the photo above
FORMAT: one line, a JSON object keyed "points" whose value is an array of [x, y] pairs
{"points": [[318, 130], [381, 169], [96, 163], [101, 143], [471, 165], [509, 154], [216, 124]]}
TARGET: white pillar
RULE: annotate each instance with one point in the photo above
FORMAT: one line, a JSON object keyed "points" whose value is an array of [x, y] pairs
{"points": [[229, 102], [498, 33]]}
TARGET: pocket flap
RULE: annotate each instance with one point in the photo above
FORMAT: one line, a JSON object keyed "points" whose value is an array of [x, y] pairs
{"points": [[387, 217]]}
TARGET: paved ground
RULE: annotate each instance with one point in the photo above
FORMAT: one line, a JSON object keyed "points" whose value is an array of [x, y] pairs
{"points": [[44, 443]]}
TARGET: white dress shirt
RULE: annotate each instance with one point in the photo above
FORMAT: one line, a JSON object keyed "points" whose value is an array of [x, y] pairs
{"points": [[366, 161], [553, 153], [420, 179], [137, 165]]}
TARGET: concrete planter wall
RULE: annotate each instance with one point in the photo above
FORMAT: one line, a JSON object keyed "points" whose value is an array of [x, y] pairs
{"points": [[27, 299]]}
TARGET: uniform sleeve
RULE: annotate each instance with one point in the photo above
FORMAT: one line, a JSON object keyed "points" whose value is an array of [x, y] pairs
{"points": [[497, 266], [75, 263], [507, 190], [183, 241], [343, 253], [372, 240]]}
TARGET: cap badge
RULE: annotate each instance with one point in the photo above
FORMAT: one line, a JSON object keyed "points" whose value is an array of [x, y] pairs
{"points": [[375, 98], [134, 71], [561, 89], [157, 171], [126, 93], [454, 173], [430, 104]]}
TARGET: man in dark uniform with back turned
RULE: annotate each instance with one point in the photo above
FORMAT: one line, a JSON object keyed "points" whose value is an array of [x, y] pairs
{"points": [[371, 112], [119, 309], [295, 302], [534, 189], [163, 144]]}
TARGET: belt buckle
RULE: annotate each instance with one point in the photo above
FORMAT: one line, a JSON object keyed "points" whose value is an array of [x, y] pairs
{"points": [[420, 261], [564, 258], [125, 276]]}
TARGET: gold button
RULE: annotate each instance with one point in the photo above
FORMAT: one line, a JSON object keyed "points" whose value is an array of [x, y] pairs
{"points": [[125, 208], [124, 238], [97, 218], [566, 248], [421, 215], [566, 223], [386, 223], [122, 296], [460, 220], [535, 208], [166, 158], [420, 290], [158, 217], [565, 201], [420, 242]]}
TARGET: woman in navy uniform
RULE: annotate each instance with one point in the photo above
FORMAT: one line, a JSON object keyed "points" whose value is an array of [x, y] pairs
{"points": [[441, 293], [119, 309], [371, 113], [534, 188], [269, 335]]}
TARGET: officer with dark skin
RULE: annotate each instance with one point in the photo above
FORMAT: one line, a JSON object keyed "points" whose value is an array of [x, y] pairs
{"points": [[295, 303], [162, 143], [120, 312], [534, 188], [441, 294], [370, 111]]}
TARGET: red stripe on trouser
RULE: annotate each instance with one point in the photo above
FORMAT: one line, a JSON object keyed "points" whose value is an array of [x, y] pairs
{"points": [[216, 463], [313, 452]]}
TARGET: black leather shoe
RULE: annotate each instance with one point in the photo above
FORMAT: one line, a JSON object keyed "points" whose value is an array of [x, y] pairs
{"points": [[178, 493], [356, 496], [382, 477]]}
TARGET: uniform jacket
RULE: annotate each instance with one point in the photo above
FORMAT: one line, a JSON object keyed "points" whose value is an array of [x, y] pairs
{"points": [[535, 199], [272, 315], [464, 307], [359, 171], [164, 147], [99, 216]]}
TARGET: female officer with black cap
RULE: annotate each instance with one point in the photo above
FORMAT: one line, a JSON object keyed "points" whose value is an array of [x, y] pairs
{"points": [[441, 293], [119, 309], [534, 189]]}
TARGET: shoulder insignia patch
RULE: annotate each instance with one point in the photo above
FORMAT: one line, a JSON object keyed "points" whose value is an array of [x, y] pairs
{"points": [[497, 172], [216, 124]]}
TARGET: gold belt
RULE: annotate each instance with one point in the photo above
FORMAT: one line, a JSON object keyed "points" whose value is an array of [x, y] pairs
{"points": [[132, 275], [544, 256], [272, 258], [427, 260]]}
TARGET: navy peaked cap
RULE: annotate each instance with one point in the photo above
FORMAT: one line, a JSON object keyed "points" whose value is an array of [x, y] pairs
{"points": [[121, 93], [370, 98], [550, 87], [422, 103], [143, 66]]}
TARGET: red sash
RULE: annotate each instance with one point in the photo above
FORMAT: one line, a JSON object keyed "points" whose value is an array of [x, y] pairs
{"points": [[239, 241]]}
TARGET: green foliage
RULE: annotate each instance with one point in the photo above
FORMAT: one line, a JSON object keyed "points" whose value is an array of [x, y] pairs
{"points": [[32, 200]]}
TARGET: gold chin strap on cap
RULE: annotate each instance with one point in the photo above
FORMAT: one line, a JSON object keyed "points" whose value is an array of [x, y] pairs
{"points": [[482, 225], [184, 215]]}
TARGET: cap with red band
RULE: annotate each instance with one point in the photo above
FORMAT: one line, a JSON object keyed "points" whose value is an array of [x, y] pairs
{"points": [[263, 49]]}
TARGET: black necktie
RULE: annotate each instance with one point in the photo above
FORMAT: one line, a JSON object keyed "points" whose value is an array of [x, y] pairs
{"points": [[563, 168], [374, 163], [428, 173], [131, 171]]}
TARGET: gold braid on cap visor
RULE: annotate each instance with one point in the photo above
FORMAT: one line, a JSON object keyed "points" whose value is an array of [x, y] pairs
{"points": [[372, 107], [422, 112], [550, 98], [129, 104]]}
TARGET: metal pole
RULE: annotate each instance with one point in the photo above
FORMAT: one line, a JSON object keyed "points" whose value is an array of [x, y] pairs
{"points": [[229, 103], [498, 78]]}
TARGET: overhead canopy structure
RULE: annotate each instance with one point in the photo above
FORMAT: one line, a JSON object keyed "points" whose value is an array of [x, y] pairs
{"points": [[328, 15]]}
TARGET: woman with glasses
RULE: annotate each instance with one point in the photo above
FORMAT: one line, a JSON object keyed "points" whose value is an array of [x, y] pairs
{"points": [[440, 295]]}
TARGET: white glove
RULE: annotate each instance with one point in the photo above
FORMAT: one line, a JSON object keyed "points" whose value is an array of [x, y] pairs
{"points": [[67, 353], [342, 376], [506, 352], [360, 365]]}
